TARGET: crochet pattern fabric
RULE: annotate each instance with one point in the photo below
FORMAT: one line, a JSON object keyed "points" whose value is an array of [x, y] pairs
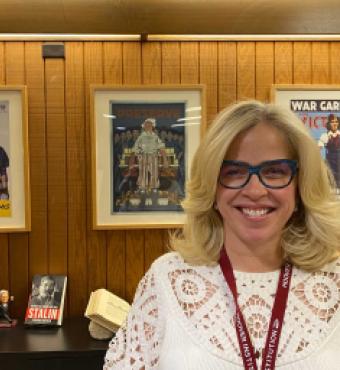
{"points": [[183, 318]]}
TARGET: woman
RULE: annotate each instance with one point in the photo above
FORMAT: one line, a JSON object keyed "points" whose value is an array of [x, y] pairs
{"points": [[260, 248], [330, 140]]}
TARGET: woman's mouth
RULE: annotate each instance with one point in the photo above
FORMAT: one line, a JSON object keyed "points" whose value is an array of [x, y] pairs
{"points": [[255, 212]]}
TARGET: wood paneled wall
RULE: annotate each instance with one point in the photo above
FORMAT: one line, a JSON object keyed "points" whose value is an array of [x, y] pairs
{"points": [[62, 240]]}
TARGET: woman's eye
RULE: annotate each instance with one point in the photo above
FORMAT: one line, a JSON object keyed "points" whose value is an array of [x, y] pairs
{"points": [[275, 171], [233, 171]]}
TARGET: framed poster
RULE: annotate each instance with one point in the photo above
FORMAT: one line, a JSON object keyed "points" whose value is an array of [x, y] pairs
{"points": [[143, 140], [14, 165], [318, 106]]}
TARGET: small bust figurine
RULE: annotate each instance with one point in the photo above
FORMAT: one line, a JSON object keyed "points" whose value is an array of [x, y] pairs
{"points": [[4, 299]]}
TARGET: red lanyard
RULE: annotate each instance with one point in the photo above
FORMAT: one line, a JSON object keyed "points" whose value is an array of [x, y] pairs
{"points": [[275, 325]]}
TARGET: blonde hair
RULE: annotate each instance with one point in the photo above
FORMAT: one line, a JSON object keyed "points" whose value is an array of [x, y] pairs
{"points": [[311, 237]]}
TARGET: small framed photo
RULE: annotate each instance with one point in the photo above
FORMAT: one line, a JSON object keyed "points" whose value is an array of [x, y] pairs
{"points": [[318, 106], [143, 141], [14, 164]]}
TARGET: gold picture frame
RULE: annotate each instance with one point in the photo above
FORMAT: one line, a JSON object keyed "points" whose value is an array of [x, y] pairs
{"points": [[15, 201], [132, 187]]}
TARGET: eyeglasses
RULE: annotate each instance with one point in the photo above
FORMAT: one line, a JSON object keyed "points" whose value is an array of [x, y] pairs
{"points": [[276, 174]]}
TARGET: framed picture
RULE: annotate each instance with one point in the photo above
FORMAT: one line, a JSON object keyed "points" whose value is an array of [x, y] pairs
{"points": [[14, 166], [143, 141], [318, 106]]}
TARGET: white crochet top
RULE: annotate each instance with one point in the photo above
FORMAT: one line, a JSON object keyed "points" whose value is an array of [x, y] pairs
{"points": [[182, 319]]}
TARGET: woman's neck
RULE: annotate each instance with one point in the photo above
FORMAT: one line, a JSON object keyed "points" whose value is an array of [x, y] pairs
{"points": [[260, 259]]}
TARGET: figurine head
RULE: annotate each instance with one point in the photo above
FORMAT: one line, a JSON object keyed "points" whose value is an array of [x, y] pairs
{"points": [[4, 296]]}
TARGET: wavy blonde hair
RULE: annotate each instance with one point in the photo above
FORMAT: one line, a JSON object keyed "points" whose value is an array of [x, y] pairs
{"points": [[310, 239]]}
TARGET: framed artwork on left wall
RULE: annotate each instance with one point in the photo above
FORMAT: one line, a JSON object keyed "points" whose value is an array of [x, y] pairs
{"points": [[143, 139], [14, 162]]}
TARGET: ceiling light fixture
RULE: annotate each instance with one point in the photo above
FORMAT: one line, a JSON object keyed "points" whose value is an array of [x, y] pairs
{"points": [[66, 37], [239, 37]]}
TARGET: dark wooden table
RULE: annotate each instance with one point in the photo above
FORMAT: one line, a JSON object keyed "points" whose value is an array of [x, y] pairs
{"points": [[63, 348]]}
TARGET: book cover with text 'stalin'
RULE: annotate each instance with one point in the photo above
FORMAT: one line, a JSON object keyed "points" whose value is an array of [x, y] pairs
{"points": [[46, 301]]}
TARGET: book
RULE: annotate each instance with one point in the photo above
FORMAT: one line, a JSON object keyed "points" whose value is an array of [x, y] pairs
{"points": [[106, 309], [46, 301]]}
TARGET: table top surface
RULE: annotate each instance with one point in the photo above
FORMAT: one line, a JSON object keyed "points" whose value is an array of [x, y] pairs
{"points": [[73, 336]]}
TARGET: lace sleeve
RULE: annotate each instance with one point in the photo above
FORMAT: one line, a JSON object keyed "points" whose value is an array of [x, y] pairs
{"points": [[136, 344]]}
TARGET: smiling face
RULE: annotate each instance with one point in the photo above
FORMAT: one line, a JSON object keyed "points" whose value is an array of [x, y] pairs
{"points": [[254, 216]]}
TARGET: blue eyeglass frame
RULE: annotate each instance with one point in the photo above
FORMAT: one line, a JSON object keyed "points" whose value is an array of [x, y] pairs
{"points": [[255, 170]]}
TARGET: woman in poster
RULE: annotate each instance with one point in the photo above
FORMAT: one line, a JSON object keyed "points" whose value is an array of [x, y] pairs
{"points": [[331, 142]]}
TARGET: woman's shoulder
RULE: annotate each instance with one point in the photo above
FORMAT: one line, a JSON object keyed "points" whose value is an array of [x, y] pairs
{"points": [[169, 259], [318, 291], [332, 267], [313, 306], [172, 264], [329, 270]]}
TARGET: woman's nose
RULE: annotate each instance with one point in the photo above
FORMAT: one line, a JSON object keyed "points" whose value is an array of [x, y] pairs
{"points": [[255, 188]]}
